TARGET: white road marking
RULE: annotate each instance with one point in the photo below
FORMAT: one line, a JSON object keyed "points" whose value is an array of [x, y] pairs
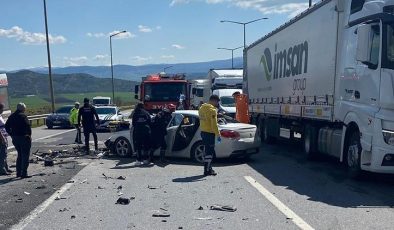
{"points": [[279, 205], [50, 136], [44, 205]]}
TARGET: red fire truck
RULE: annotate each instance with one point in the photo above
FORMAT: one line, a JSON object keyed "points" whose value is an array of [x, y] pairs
{"points": [[157, 91]]}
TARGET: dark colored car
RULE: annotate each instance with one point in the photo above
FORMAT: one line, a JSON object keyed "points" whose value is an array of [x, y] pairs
{"points": [[61, 118]]}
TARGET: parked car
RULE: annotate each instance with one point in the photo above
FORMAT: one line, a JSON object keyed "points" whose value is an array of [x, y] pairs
{"points": [[184, 140], [110, 118], [60, 118]]}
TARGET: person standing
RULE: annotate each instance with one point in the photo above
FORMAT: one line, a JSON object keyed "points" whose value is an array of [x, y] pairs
{"points": [[87, 113], [74, 121], [18, 127], [141, 133], [159, 131], [4, 170], [209, 130]]}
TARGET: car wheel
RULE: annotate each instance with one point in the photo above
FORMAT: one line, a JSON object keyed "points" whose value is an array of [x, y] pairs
{"points": [[122, 147], [353, 155], [197, 153], [310, 142]]}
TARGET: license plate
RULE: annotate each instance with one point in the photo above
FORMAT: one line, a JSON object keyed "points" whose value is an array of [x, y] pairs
{"points": [[57, 122]]}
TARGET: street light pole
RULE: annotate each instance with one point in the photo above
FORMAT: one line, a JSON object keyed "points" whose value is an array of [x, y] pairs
{"points": [[244, 25], [49, 60], [165, 68], [112, 66], [232, 54]]}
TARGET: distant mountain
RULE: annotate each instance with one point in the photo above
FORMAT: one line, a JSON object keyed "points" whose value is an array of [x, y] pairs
{"points": [[27, 82], [134, 73]]}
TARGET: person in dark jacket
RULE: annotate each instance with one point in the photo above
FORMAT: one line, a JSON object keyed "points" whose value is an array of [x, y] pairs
{"points": [[18, 127], [159, 131], [87, 113], [141, 133]]}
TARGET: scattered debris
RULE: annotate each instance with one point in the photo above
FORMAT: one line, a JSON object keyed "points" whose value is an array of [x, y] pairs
{"points": [[41, 187], [121, 178], [64, 210], [27, 193], [19, 200], [73, 217], [164, 209], [180, 227], [99, 187], [123, 201], [120, 193], [120, 187], [84, 181], [48, 162], [200, 208], [60, 198], [105, 176], [164, 221], [152, 187], [225, 208], [245, 218], [203, 218], [158, 213], [70, 182]]}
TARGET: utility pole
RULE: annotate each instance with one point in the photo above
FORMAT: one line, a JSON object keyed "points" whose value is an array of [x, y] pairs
{"points": [[49, 60]]}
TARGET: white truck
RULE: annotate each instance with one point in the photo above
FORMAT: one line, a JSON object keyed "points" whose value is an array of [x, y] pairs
{"points": [[197, 92], [227, 101], [4, 98], [101, 101], [223, 79], [328, 74]]}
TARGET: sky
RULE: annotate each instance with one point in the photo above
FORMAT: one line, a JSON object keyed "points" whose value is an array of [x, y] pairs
{"points": [[158, 31]]}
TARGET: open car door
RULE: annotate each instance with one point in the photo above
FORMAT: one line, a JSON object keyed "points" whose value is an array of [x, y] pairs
{"points": [[172, 129]]}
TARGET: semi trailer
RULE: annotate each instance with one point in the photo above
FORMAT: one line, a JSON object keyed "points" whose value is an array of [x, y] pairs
{"points": [[328, 74]]}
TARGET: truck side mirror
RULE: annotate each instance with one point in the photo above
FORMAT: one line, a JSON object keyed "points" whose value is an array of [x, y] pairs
{"points": [[136, 89], [364, 43]]}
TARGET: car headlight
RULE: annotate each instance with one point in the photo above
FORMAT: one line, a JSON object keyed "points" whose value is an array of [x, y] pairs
{"points": [[388, 137]]}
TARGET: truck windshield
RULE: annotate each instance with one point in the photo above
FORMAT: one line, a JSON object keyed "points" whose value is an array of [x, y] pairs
{"points": [[164, 91], [100, 101], [199, 92], [227, 101], [388, 50]]}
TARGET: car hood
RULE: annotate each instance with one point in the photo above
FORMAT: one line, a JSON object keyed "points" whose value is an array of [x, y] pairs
{"points": [[105, 117]]}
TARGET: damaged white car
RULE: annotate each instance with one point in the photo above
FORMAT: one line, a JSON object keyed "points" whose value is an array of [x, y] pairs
{"points": [[184, 140], [111, 118]]}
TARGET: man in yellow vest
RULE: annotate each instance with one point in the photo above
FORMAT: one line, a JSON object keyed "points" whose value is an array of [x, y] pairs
{"points": [[74, 121], [209, 132]]}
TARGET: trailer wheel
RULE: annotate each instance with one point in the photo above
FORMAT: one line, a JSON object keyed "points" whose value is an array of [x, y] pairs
{"points": [[310, 141], [353, 155]]}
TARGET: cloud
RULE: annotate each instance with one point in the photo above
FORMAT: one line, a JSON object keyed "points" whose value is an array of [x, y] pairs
{"points": [[140, 59], [179, 47], [100, 57], [292, 8], [119, 36], [158, 28], [75, 61], [144, 29], [167, 57], [29, 38]]}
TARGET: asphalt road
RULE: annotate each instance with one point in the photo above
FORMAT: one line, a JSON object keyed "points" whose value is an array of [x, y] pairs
{"points": [[276, 189]]}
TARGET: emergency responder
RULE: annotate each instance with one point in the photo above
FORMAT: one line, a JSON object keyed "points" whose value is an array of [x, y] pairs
{"points": [[4, 170], [141, 133], [18, 127], [74, 121], [209, 130], [159, 131], [87, 113]]}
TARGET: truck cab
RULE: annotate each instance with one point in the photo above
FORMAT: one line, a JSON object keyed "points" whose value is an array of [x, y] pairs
{"points": [[101, 101]]}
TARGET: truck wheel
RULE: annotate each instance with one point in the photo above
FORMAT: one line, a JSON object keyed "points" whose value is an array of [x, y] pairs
{"points": [[353, 155], [310, 141]]}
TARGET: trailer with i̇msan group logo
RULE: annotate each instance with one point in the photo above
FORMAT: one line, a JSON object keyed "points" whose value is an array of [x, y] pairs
{"points": [[327, 77]]}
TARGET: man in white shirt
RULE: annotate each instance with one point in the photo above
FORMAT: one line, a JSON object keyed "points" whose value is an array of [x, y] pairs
{"points": [[4, 170]]}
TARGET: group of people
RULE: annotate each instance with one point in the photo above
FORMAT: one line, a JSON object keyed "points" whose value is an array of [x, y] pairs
{"points": [[149, 133], [18, 127]]}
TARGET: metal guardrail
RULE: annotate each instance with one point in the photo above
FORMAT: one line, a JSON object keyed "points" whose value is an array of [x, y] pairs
{"points": [[37, 118]]}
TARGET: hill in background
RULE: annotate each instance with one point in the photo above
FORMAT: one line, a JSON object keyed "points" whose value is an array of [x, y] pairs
{"points": [[134, 73], [26, 82]]}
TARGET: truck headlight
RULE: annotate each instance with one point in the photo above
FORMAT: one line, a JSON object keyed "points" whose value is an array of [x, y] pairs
{"points": [[388, 137]]}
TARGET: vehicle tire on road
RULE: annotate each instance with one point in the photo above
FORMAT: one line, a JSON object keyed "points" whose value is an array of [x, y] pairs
{"points": [[353, 155], [197, 152], [310, 142], [122, 147], [264, 133]]}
